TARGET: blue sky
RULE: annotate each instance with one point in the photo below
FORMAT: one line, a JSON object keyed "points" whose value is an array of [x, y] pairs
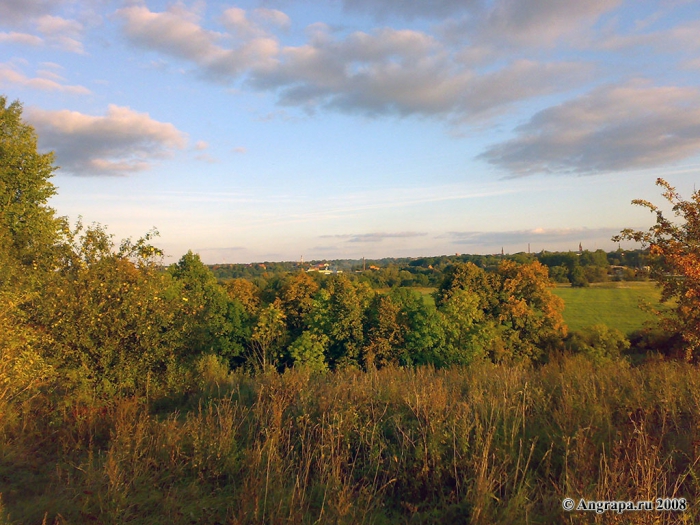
{"points": [[272, 129]]}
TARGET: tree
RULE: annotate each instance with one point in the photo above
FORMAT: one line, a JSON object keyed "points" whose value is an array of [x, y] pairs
{"points": [[674, 257], [527, 309], [24, 187], [206, 308], [106, 315], [338, 312], [28, 230]]}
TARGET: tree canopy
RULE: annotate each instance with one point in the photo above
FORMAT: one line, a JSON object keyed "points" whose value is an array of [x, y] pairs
{"points": [[674, 249]]}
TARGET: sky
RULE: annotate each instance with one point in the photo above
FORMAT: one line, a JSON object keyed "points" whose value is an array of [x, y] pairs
{"points": [[269, 130]]}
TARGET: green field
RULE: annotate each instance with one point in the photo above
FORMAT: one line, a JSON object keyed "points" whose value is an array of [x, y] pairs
{"points": [[614, 304]]}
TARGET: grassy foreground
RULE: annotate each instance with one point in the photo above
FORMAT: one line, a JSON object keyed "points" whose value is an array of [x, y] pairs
{"points": [[615, 304], [487, 444]]}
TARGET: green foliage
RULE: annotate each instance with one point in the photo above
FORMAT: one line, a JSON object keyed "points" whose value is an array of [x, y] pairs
{"points": [[468, 335], [206, 322], [269, 337], [108, 321], [309, 351], [599, 342], [522, 317], [338, 312], [25, 188]]}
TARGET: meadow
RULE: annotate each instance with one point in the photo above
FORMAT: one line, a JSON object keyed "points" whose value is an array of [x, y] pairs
{"points": [[479, 445], [616, 304]]}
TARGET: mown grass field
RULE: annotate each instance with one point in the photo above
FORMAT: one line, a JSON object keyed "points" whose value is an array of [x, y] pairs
{"points": [[616, 304]]}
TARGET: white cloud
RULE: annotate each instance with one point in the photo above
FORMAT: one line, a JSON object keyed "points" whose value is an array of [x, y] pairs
{"points": [[272, 17], [121, 142], [21, 38], [10, 76], [178, 33], [403, 72], [201, 145], [62, 33], [618, 127]]}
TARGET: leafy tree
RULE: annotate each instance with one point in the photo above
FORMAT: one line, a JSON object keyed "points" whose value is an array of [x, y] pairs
{"points": [[423, 336], [205, 310], [599, 342], [466, 276], [297, 296], [674, 256], [309, 351], [245, 292], [384, 332], [527, 309], [28, 231], [269, 336], [467, 332], [106, 315], [338, 312], [24, 187]]}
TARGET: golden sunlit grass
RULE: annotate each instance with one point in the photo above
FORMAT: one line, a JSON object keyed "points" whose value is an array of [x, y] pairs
{"points": [[485, 444]]}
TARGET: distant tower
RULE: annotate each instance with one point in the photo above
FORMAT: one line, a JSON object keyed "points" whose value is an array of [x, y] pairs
{"points": [[528, 248], [580, 248], [364, 265], [502, 253]]}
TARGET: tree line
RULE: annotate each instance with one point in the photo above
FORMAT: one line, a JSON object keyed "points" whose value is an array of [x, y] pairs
{"points": [[85, 314]]}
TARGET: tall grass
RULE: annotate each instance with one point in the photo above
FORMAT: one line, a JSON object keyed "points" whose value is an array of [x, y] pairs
{"points": [[479, 445]]}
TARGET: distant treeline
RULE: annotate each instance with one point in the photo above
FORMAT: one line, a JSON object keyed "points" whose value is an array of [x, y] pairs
{"points": [[577, 268]]}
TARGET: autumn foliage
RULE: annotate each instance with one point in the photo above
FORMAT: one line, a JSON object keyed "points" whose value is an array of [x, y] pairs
{"points": [[675, 263]]}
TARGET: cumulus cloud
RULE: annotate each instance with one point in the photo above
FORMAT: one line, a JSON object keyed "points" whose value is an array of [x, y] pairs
{"points": [[46, 81], [374, 237], [178, 33], [201, 145], [403, 72], [121, 142], [382, 72], [617, 127]]}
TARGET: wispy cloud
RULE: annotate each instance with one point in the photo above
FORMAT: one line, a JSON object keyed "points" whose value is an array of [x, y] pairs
{"points": [[13, 37], [538, 236], [374, 237], [45, 81]]}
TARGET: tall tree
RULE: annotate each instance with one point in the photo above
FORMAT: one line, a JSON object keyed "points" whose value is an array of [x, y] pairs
{"points": [[674, 250], [24, 187]]}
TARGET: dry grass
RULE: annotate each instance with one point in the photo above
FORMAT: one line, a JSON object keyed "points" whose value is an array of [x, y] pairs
{"points": [[486, 444]]}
